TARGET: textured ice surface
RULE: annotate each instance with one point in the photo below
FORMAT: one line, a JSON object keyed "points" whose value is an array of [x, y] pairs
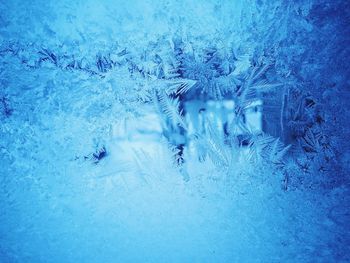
{"points": [[97, 164]]}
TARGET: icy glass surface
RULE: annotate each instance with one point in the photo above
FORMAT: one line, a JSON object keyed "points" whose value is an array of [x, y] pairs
{"points": [[174, 131]]}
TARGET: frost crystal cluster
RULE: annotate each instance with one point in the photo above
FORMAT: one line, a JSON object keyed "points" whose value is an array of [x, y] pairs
{"points": [[174, 131]]}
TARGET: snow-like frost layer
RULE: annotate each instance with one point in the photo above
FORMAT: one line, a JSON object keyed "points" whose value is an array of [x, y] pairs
{"points": [[59, 106]]}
